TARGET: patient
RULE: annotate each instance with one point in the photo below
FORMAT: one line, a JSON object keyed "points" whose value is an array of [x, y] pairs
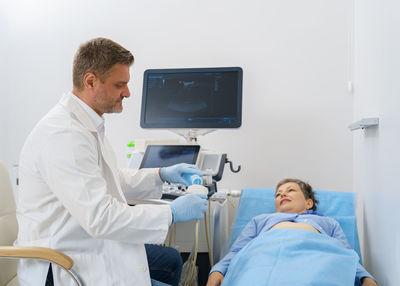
{"points": [[295, 209]]}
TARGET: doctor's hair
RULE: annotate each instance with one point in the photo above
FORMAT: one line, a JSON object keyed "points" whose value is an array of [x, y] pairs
{"points": [[98, 56], [305, 188]]}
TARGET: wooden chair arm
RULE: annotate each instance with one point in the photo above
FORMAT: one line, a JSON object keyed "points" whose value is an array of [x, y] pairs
{"points": [[38, 253]]}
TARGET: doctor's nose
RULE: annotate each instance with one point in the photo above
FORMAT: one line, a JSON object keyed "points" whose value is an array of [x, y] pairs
{"points": [[126, 93]]}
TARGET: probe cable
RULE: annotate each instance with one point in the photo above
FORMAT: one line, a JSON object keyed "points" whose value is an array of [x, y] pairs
{"points": [[210, 254]]}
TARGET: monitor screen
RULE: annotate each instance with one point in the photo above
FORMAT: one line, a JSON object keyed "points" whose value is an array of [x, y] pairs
{"points": [[192, 98], [157, 156]]}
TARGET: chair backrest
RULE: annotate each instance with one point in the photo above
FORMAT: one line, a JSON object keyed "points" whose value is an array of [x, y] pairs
{"points": [[338, 205], [8, 225]]}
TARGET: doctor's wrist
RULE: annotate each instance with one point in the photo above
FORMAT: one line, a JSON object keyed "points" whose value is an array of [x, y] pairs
{"points": [[173, 213], [159, 173]]}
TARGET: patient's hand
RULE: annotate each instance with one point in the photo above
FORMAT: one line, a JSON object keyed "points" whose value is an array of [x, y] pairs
{"points": [[367, 282], [215, 279]]}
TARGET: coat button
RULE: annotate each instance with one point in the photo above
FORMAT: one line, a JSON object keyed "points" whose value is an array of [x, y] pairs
{"points": [[144, 268]]}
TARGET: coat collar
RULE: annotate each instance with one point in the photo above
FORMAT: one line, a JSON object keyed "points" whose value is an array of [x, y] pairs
{"points": [[71, 104]]}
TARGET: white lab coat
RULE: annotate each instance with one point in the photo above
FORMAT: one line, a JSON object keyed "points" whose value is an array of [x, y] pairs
{"points": [[71, 199]]}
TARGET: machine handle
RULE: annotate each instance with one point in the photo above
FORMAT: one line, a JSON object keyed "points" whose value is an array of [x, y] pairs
{"points": [[231, 166]]}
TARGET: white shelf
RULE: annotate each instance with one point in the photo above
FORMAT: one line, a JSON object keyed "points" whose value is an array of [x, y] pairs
{"points": [[364, 123]]}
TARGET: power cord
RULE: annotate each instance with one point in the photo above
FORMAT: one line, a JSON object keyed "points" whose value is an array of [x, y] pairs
{"points": [[210, 253]]}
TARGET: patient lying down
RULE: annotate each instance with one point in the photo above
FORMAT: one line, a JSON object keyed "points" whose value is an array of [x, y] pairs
{"points": [[294, 246]]}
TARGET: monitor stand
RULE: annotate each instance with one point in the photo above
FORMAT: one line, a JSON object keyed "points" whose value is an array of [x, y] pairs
{"points": [[191, 135]]}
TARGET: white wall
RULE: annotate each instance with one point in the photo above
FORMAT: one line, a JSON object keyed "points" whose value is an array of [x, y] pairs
{"points": [[294, 55], [376, 151]]}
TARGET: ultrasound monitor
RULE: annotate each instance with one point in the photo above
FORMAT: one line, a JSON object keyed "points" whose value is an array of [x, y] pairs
{"points": [[192, 98]]}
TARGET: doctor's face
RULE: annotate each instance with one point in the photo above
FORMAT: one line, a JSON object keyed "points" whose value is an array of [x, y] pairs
{"points": [[110, 92], [290, 199]]}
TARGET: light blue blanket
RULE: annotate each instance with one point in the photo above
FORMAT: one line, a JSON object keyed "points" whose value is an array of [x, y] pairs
{"points": [[292, 257]]}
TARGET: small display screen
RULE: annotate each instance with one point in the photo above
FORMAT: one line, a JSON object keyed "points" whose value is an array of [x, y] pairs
{"points": [[192, 98], [157, 156]]}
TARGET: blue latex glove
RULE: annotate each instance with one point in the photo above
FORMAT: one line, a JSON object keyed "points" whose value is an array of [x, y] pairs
{"points": [[188, 207], [174, 174]]}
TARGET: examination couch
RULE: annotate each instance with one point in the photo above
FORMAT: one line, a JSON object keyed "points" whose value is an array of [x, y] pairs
{"points": [[338, 205]]}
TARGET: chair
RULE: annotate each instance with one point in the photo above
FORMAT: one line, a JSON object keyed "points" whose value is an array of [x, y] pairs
{"points": [[338, 205], [8, 234]]}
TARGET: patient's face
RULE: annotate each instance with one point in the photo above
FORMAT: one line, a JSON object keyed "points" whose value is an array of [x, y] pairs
{"points": [[290, 199]]}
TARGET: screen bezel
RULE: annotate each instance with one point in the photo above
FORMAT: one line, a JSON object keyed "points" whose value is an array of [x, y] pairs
{"points": [[186, 124], [149, 147]]}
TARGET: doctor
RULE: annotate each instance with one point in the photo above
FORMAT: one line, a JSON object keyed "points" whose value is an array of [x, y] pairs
{"points": [[72, 194]]}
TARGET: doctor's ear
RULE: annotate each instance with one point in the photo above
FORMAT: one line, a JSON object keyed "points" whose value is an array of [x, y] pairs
{"points": [[88, 80]]}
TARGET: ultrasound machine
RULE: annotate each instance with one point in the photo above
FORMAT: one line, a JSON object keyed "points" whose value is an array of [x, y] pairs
{"points": [[191, 102]]}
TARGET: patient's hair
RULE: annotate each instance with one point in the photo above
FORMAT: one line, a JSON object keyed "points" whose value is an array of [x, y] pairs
{"points": [[305, 188], [98, 56]]}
